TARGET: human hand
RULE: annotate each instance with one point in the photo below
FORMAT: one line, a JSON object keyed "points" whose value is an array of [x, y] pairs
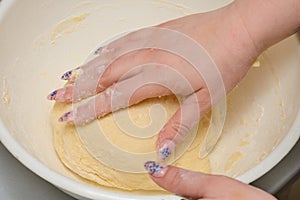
{"points": [[197, 185], [233, 44], [120, 77]]}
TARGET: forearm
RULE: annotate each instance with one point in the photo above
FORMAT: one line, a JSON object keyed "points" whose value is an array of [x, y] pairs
{"points": [[269, 21]]}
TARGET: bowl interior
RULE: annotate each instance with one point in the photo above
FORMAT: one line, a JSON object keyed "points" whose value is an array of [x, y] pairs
{"points": [[39, 40]]}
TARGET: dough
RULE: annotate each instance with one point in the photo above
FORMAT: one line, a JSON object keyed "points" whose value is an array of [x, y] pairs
{"points": [[77, 158]]}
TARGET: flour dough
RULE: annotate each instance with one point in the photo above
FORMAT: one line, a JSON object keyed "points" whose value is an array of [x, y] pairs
{"points": [[75, 156]]}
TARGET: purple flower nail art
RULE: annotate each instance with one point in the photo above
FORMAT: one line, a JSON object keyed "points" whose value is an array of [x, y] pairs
{"points": [[66, 75], [166, 150], [98, 51], [165, 153], [66, 117], [155, 169], [52, 95]]}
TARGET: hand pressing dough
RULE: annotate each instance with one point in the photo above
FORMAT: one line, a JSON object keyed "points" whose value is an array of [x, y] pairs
{"points": [[77, 158]]}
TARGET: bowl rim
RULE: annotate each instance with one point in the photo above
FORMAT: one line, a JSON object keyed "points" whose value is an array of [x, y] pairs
{"points": [[74, 187], [276, 155]]}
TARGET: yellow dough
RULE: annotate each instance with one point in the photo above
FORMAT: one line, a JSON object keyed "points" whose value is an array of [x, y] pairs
{"points": [[76, 157]]}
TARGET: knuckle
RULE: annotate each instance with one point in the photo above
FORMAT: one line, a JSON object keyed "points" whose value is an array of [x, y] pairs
{"points": [[203, 98], [179, 130], [105, 77], [177, 180]]}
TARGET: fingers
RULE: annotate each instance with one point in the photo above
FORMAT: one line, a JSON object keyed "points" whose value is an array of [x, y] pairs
{"points": [[87, 78], [182, 122], [84, 80], [86, 84], [142, 82], [63, 95], [90, 81], [117, 58], [118, 96], [88, 70], [179, 181], [75, 92], [197, 185]]}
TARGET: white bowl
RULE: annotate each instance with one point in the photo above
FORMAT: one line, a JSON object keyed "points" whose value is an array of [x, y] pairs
{"points": [[37, 45]]}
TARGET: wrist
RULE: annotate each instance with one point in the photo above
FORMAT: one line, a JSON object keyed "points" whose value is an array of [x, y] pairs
{"points": [[234, 50]]}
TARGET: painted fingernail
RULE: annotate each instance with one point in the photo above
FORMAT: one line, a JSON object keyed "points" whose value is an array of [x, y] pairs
{"points": [[67, 75], [60, 95], [67, 117], [155, 169], [98, 51], [166, 149], [52, 95], [71, 75]]}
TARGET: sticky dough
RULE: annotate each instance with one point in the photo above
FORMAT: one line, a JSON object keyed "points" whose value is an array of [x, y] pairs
{"points": [[75, 156]]}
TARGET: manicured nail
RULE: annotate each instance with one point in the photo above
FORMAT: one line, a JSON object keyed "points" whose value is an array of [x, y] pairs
{"points": [[166, 149], [155, 169], [66, 75], [98, 51], [67, 117], [71, 75], [52, 95], [60, 95]]}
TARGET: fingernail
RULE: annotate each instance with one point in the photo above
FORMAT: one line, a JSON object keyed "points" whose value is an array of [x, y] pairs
{"points": [[67, 117], [70, 75], [155, 169], [52, 95], [98, 51], [59, 95], [66, 75], [166, 149]]}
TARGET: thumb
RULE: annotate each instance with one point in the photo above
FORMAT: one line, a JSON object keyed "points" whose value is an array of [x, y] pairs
{"points": [[179, 181], [197, 185]]}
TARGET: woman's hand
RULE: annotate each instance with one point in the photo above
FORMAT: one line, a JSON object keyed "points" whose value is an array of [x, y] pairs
{"points": [[233, 37], [197, 185], [127, 71]]}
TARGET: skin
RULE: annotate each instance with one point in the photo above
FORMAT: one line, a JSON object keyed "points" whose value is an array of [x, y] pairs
{"points": [[197, 185], [233, 36]]}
